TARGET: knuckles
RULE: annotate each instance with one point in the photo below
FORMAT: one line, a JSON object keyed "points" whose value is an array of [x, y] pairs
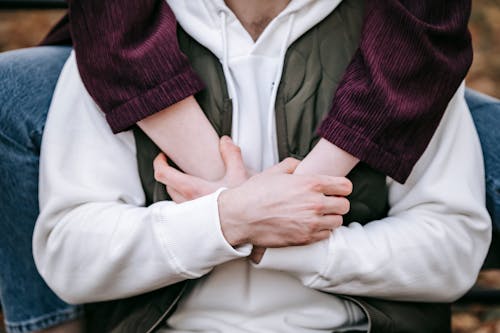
{"points": [[313, 226], [318, 208], [314, 184], [160, 175], [289, 164]]}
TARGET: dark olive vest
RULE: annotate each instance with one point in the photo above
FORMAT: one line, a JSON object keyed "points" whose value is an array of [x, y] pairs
{"points": [[314, 64]]}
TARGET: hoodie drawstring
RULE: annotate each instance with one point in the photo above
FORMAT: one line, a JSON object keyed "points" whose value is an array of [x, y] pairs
{"points": [[229, 78], [277, 79]]}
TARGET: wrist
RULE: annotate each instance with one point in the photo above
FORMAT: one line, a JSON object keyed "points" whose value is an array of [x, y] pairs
{"points": [[327, 159], [230, 216]]}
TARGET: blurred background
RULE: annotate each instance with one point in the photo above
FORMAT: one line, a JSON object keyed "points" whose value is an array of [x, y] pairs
{"points": [[24, 28]]}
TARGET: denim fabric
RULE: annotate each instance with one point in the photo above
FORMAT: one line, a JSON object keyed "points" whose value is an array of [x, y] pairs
{"points": [[27, 80], [485, 111]]}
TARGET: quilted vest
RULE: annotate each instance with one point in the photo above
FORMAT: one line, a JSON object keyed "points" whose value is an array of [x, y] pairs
{"points": [[314, 65]]}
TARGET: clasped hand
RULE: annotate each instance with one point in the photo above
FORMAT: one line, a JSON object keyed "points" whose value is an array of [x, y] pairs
{"points": [[274, 208]]}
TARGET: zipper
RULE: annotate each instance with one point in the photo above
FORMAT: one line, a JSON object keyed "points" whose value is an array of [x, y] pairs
{"points": [[358, 303], [169, 309]]}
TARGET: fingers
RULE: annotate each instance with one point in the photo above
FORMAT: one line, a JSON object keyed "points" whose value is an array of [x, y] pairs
{"points": [[313, 237], [327, 222], [329, 185], [231, 155], [185, 185], [167, 175], [321, 229], [288, 165], [333, 205]]}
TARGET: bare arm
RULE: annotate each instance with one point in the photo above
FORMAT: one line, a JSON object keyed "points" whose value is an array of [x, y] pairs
{"points": [[376, 95], [95, 240], [184, 133], [327, 159], [412, 57]]}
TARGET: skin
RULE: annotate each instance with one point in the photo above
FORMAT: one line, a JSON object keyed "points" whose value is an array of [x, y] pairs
{"points": [[185, 135], [304, 214], [275, 208], [255, 15]]}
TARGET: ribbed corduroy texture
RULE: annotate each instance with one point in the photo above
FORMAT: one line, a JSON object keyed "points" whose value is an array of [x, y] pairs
{"points": [[128, 57], [412, 57]]}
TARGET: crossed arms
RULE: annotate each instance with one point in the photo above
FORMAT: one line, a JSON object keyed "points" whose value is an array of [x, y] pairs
{"points": [[94, 240]]}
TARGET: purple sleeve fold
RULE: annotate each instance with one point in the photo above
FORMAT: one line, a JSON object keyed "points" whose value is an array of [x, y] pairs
{"points": [[129, 58], [412, 58], [413, 55]]}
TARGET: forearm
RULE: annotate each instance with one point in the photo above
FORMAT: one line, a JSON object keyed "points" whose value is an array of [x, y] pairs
{"points": [[185, 135], [129, 58], [433, 243], [327, 159], [93, 241], [411, 59]]}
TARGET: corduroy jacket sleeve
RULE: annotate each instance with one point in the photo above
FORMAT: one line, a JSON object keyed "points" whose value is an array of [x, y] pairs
{"points": [[128, 57], [412, 57]]}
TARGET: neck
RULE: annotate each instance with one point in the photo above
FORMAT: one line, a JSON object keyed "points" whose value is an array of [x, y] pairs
{"points": [[255, 15]]}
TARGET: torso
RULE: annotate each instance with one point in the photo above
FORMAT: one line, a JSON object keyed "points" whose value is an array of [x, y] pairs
{"points": [[237, 297]]}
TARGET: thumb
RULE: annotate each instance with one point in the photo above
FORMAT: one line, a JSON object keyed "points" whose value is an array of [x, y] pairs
{"points": [[288, 165], [231, 155], [167, 175]]}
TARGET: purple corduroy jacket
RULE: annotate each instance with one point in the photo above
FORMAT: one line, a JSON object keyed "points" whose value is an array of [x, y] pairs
{"points": [[412, 57]]}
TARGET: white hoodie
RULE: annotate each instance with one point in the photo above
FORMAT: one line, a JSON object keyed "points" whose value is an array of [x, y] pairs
{"points": [[252, 69], [93, 240], [237, 297]]}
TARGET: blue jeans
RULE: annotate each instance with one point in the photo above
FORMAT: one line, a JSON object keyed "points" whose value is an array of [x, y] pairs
{"points": [[485, 111], [27, 80]]}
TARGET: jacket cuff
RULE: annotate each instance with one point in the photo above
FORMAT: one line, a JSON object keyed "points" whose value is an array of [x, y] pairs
{"points": [[154, 100], [192, 236]]}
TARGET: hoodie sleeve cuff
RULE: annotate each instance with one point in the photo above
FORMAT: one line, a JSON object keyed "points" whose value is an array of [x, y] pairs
{"points": [[305, 262], [192, 236]]}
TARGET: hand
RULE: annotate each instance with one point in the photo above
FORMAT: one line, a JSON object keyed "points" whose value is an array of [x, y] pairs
{"points": [[278, 209], [183, 187]]}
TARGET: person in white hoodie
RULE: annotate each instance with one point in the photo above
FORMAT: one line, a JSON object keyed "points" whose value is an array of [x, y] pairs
{"points": [[94, 241]]}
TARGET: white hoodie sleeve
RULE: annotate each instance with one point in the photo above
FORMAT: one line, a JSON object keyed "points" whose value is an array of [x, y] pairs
{"points": [[434, 240], [93, 241]]}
